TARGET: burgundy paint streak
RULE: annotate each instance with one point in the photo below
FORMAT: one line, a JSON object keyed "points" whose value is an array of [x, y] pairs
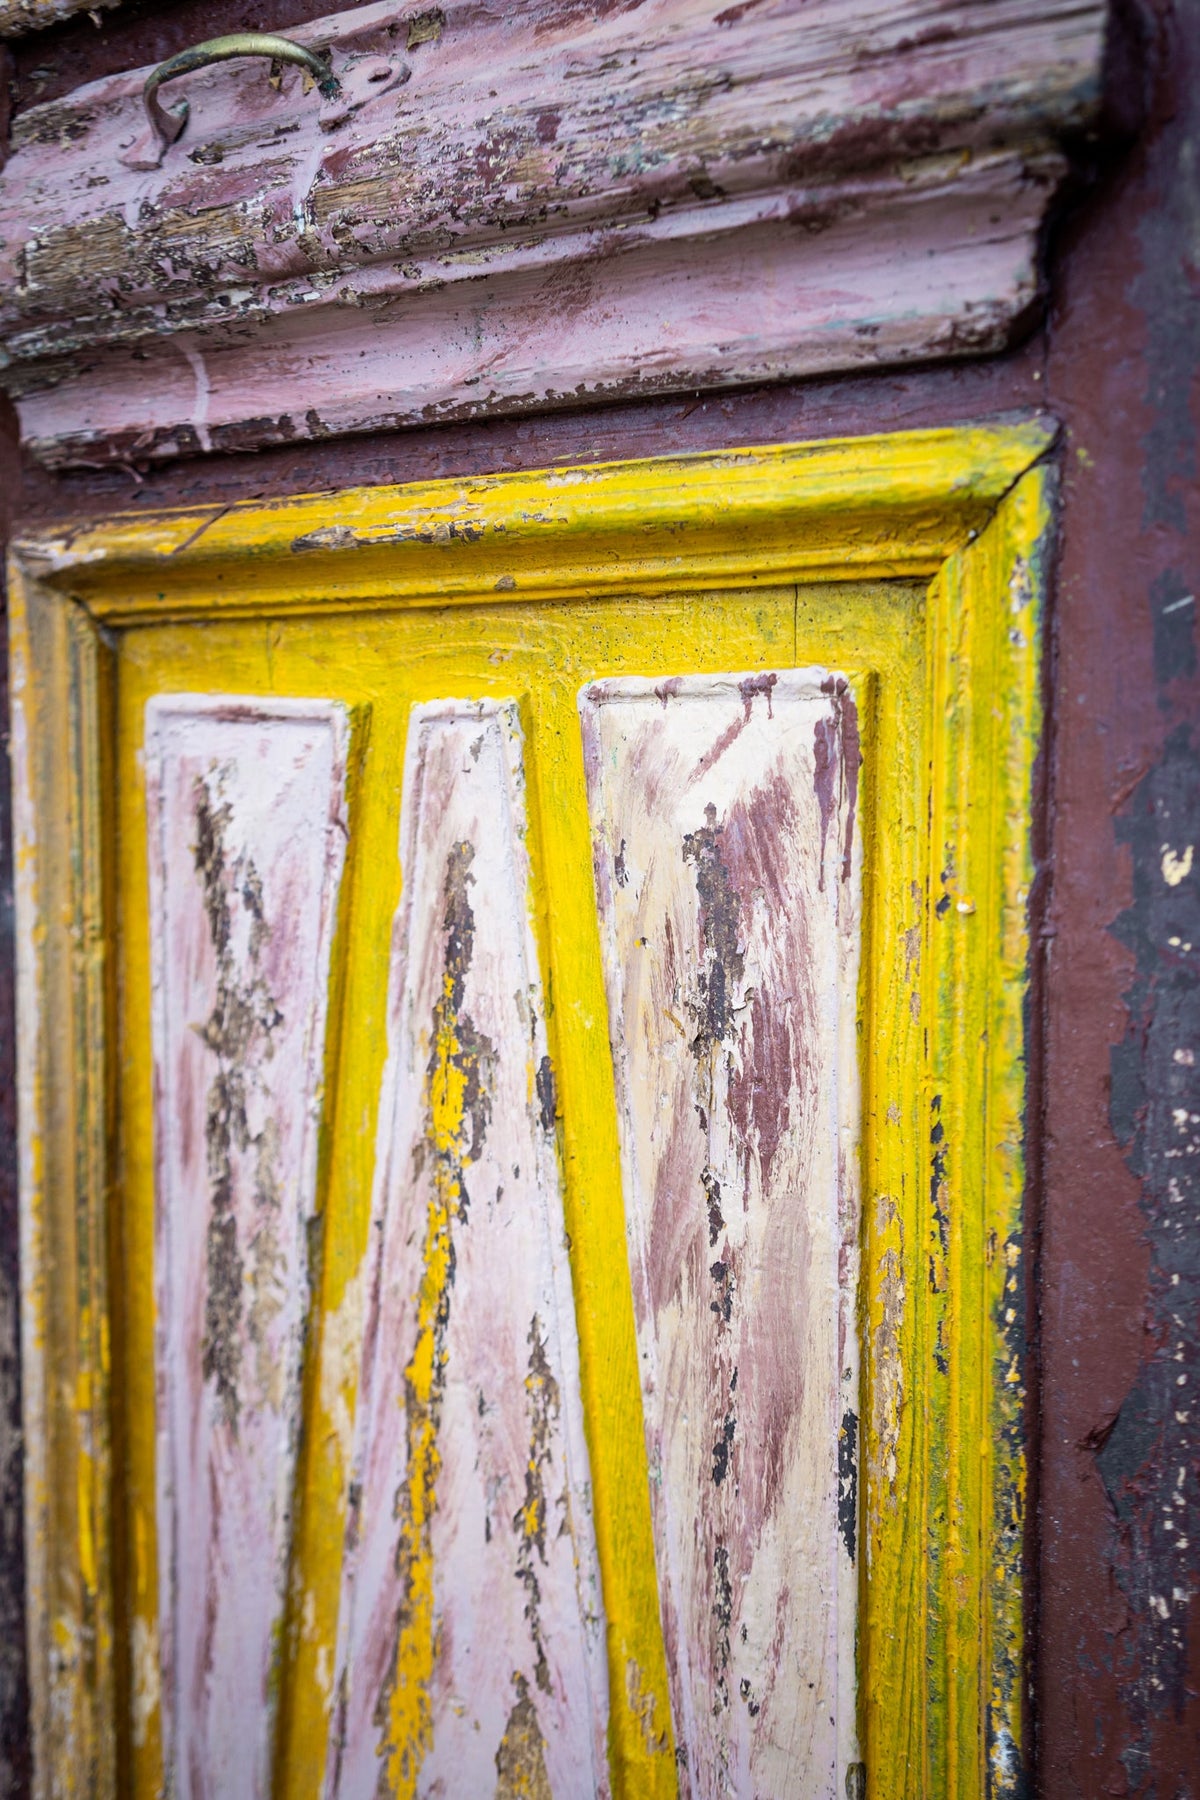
{"points": [[836, 757], [757, 837], [749, 689]]}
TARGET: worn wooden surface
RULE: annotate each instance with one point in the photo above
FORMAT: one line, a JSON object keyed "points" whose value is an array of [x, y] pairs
{"points": [[849, 507], [927, 661], [61, 751], [471, 1633], [247, 837], [505, 214], [726, 866], [18, 16]]}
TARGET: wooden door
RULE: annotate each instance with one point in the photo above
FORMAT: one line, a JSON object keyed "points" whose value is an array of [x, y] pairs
{"points": [[511, 998]]}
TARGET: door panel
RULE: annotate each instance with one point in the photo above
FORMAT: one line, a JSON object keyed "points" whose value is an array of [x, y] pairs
{"points": [[445, 1626], [246, 829], [914, 565], [471, 1628], [727, 865]]}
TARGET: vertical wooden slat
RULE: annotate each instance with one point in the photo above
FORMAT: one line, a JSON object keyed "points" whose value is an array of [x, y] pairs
{"points": [[471, 1640], [60, 672], [726, 868], [247, 838], [984, 626]]}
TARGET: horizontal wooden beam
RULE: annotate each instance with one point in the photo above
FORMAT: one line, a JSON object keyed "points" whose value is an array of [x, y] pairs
{"points": [[501, 214], [892, 506]]}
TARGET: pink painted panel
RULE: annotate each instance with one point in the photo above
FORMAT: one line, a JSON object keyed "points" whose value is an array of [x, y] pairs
{"points": [[247, 837], [513, 208], [726, 860], [471, 1637], [904, 268]]}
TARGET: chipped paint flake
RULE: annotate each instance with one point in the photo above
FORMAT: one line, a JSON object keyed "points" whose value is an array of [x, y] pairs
{"points": [[725, 809], [147, 1685], [887, 1362], [470, 1654], [1176, 866], [247, 841]]}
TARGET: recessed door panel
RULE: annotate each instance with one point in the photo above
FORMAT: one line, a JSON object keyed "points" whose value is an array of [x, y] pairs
{"points": [[247, 836], [440, 1130], [564, 1380], [723, 811], [471, 1632]]}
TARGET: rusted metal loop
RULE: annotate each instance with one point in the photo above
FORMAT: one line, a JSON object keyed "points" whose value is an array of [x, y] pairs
{"points": [[168, 123]]}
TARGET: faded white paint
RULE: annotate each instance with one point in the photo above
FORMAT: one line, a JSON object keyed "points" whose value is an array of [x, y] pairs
{"points": [[726, 868], [246, 839], [469, 1270]]}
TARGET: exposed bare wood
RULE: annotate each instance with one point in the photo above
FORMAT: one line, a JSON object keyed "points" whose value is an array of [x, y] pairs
{"points": [[247, 841], [726, 868], [471, 1640], [19, 16], [549, 209]]}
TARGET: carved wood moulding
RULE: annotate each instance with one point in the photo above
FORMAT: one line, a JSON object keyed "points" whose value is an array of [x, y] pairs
{"points": [[511, 212]]}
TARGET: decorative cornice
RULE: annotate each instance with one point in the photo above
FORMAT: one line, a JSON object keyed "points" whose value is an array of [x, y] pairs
{"points": [[547, 212]]}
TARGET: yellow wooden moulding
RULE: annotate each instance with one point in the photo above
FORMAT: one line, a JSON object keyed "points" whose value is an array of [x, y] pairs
{"points": [[914, 562]]}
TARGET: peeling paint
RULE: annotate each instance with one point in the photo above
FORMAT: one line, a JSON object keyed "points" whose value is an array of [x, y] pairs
{"points": [[520, 1760], [729, 954], [341, 1348], [470, 1635], [238, 1032], [531, 1520], [268, 239], [458, 1107], [246, 847], [147, 1686], [887, 1340], [642, 1706], [1148, 1456], [848, 1481]]}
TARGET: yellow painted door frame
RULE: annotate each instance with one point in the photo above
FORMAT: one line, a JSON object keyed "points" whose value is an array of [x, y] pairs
{"points": [[915, 563]]}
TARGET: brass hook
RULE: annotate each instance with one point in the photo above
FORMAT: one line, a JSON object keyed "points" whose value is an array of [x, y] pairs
{"points": [[167, 124]]}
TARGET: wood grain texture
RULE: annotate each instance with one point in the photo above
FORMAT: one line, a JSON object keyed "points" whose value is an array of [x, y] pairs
{"points": [[471, 1643], [550, 209], [20, 16], [727, 873], [247, 836]]}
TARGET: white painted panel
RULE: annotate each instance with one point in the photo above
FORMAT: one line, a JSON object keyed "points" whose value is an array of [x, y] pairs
{"points": [[471, 1643], [247, 839], [726, 868]]}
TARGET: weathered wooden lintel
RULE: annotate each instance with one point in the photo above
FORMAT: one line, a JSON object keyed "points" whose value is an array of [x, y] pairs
{"points": [[505, 214]]}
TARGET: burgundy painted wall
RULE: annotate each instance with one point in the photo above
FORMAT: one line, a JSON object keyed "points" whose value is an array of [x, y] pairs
{"points": [[1114, 1113]]}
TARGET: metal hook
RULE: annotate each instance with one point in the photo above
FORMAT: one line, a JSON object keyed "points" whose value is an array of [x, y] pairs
{"points": [[167, 124]]}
